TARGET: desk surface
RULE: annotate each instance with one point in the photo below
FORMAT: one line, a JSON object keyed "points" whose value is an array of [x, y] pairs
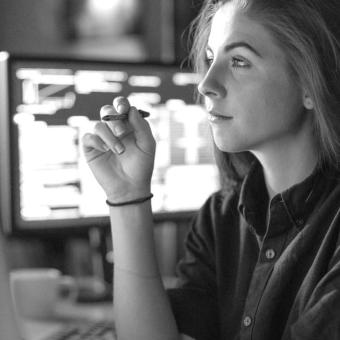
{"points": [[65, 312]]}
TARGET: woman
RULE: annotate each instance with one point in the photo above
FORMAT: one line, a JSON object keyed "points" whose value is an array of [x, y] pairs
{"points": [[263, 256]]}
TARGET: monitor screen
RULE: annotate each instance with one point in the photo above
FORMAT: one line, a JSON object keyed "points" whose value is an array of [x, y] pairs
{"points": [[47, 105]]}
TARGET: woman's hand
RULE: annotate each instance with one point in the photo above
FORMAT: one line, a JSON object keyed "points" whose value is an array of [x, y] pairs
{"points": [[121, 153]]}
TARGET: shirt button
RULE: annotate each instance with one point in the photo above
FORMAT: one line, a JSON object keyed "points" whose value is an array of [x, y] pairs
{"points": [[247, 321], [270, 254], [300, 222]]}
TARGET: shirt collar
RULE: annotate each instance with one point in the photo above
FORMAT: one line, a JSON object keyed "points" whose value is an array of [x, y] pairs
{"points": [[297, 202], [253, 198]]}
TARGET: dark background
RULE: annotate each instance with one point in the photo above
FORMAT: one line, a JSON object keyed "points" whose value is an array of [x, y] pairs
{"points": [[136, 30]]}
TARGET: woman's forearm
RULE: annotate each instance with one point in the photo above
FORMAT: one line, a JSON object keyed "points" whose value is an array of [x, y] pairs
{"points": [[142, 309]]}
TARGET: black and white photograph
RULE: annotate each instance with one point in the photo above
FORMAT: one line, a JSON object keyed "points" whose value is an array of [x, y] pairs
{"points": [[170, 170]]}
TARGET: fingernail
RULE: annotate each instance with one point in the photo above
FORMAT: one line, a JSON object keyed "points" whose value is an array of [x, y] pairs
{"points": [[121, 108], [119, 148]]}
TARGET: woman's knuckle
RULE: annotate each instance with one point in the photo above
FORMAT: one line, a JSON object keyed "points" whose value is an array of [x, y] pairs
{"points": [[86, 138], [98, 126], [121, 101]]}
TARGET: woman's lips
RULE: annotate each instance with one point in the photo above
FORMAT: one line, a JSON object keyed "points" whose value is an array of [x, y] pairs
{"points": [[214, 116]]}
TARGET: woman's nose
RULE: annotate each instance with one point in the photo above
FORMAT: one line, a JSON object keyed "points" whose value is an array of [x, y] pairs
{"points": [[212, 85]]}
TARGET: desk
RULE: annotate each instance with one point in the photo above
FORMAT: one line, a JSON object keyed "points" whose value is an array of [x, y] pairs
{"points": [[66, 312]]}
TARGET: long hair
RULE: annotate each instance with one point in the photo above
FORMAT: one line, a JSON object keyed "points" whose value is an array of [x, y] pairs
{"points": [[308, 31]]}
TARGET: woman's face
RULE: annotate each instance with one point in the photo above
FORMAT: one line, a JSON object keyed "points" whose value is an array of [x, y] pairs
{"points": [[253, 100]]}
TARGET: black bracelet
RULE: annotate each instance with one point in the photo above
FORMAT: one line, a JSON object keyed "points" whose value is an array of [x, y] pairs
{"points": [[136, 201]]}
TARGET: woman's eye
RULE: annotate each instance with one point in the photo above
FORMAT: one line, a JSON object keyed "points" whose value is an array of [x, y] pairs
{"points": [[209, 61], [239, 63]]}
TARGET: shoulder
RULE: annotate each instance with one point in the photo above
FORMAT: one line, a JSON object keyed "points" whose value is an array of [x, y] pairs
{"points": [[220, 203], [219, 211], [328, 192]]}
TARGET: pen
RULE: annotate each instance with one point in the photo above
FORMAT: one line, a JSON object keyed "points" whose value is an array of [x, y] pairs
{"points": [[123, 116]]}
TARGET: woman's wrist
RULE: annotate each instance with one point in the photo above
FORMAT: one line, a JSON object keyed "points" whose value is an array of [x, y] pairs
{"points": [[130, 196], [130, 201], [127, 218]]}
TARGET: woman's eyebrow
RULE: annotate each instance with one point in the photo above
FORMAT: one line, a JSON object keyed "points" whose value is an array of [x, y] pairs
{"points": [[231, 46]]}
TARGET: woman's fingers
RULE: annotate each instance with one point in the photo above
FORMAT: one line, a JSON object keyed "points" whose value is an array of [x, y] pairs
{"points": [[121, 104], [119, 127], [142, 130], [91, 141], [104, 132], [93, 146], [123, 120]]}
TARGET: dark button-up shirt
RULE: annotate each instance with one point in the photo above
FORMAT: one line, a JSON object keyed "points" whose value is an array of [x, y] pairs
{"points": [[243, 279]]}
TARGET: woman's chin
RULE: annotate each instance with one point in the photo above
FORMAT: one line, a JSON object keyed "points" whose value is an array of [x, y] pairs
{"points": [[226, 145]]}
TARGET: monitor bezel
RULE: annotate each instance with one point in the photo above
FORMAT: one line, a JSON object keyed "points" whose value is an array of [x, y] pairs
{"points": [[9, 189]]}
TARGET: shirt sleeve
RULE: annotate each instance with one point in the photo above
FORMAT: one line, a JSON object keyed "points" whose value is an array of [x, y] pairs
{"points": [[320, 318], [194, 302]]}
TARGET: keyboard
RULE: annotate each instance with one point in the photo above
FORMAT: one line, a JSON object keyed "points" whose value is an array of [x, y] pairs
{"points": [[86, 331]]}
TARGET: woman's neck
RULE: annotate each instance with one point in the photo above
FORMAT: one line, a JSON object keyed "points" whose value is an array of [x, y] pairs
{"points": [[287, 164]]}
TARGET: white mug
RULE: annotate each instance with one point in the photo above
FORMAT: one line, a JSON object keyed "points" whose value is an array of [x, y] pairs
{"points": [[35, 292]]}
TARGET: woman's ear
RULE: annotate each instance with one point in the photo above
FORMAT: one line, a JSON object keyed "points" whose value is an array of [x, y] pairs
{"points": [[308, 101]]}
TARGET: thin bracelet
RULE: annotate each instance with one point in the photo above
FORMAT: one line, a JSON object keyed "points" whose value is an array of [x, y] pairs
{"points": [[136, 201]]}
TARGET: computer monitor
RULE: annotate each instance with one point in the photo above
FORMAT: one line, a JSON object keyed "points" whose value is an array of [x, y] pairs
{"points": [[47, 104]]}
